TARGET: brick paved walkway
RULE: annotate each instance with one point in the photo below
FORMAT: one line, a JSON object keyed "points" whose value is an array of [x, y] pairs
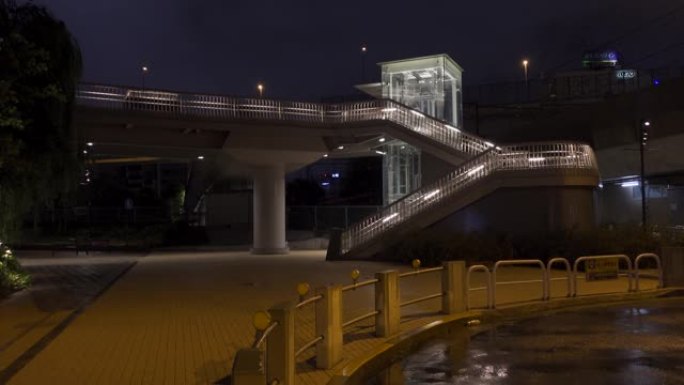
{"points": [[178, 318], [62, 284]]}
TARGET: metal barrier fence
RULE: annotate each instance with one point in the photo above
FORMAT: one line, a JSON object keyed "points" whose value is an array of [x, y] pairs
{"points": [[568, 277], [637, 271], [278, 327], [488, 285], [620, 257], [321, 218], [97, 215], [543, 280]]}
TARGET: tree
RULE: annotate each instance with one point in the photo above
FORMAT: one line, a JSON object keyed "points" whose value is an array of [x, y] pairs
{"points": [[40, 66]]}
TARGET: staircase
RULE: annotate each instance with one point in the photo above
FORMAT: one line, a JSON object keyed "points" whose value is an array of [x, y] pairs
{"points": [[539, 164]]}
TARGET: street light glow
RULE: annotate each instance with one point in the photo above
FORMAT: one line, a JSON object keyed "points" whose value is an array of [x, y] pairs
{"points": [[145, 69]]}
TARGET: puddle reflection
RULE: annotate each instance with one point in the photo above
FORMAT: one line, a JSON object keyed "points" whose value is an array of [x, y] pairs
{"points": [[615, 345]]}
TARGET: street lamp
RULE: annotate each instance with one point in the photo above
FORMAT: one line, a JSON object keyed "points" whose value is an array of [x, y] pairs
{"points": [[525, 64], [145, 70], [364, 49], [643, 139], [260, 88]]}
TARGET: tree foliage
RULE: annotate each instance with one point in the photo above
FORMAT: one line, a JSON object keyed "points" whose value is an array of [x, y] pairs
{"points": [[40, 65]]}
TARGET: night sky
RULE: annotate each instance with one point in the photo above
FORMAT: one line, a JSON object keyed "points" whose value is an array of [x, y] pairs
{"points": [[311, 49]]}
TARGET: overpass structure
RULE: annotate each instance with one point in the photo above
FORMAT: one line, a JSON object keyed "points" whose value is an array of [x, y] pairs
{"points": [[266, 138], [164, 123]]}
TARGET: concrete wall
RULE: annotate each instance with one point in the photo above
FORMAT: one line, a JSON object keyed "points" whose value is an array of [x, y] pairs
{"points": [[535, 210], [622, 205]]}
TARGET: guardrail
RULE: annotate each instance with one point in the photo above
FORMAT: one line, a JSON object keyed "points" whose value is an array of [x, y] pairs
{"points": [[569, 276], [278, 324], [418, 271], [539, 156], [619, 257], [637, 271], [488, 285], [543, 280]]}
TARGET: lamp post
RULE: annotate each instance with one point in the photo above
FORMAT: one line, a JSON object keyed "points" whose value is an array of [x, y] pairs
{"points": [[260, 88], [525, 63], [145, 70], [643, 139], [364, 49]]}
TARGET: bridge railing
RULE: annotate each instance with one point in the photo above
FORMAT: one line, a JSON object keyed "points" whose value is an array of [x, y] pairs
{"points": [[280, 334], [510, 158], [223, 107]]}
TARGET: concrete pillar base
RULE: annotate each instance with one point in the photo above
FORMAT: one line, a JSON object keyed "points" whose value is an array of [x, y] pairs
{"points": [[270, 250], [269, 210]]}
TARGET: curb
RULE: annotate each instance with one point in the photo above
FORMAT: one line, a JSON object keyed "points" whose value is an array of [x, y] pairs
{"points": [[356, 370]]}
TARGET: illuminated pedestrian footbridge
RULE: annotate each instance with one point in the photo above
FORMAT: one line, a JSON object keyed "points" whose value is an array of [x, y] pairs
{"points": [[268, 138]]}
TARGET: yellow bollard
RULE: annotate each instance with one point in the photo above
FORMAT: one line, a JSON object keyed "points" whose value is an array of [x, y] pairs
{"points": [[261, 320], [355, 274], [303, 289]]}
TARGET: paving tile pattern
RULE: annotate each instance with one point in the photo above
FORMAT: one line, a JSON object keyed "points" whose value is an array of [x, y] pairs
{"points": [[179, 318], [61, 285]]}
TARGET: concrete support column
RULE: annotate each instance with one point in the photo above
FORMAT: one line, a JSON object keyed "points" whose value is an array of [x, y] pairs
{"points": [[329, 325], [387, 303], [453, 287], [280, 346], [269, 210]]}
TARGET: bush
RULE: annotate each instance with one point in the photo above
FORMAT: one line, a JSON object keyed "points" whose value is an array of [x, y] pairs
{"points": [[432, 248], [12, 275]]}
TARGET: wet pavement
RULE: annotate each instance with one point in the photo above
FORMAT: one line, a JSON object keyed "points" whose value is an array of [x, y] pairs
{"points": [[628, 344]]}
